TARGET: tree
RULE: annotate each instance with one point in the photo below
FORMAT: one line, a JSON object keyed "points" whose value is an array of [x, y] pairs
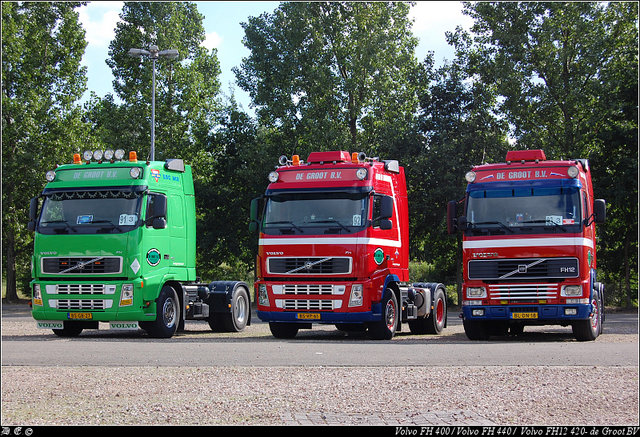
{"points": [[42, 46], [328, 75]]}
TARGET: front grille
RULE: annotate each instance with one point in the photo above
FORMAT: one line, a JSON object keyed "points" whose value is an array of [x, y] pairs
{"points": [[307, 289], [81, 289], [311, 304], [310, 266], [67, 265], [81, 304], [523, 292], [529, 268]]}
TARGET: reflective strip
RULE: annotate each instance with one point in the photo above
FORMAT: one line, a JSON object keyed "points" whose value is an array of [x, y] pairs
{"points": [[528, 242]]}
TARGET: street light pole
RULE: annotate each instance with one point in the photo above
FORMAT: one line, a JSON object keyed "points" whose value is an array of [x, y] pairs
{"points": [[153, 53]]}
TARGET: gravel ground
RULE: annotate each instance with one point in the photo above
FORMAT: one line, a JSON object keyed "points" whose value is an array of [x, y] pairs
{"points": [[455, 395]]}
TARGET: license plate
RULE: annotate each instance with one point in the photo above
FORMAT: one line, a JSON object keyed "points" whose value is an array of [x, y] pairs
{"points": [[79, 316], [309, 316], [524, 315]]}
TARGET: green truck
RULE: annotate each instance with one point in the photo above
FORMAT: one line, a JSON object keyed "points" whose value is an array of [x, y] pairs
{"points": [[115, 242]]}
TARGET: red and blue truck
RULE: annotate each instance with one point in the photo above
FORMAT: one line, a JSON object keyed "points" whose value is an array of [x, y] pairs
{"points": [[334, 249], [529, 246]]}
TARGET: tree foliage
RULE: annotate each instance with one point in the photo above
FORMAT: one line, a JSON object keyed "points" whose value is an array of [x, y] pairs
{"points": [[329, 74]]}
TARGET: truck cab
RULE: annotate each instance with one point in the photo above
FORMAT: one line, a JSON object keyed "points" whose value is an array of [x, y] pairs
{"points": [[529, 246], [333, 247]]}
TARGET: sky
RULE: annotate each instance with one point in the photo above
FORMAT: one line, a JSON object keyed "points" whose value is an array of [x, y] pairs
{"points": [[224, 32]]}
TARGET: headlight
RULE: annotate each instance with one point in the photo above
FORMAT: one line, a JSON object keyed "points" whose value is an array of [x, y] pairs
{"points": [[355, 300], [97, 155], [263, 297], [126, 297], [37, 295], [273, 176], [361, 173], [108, 154], [119, 154], [476, 292], [87, 155], [51, 175], [571, 290]]}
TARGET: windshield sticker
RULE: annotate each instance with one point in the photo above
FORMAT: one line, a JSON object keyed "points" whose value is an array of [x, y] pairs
{"points": [[84, 219], [128, 219], [357, 220], [153, 257]]}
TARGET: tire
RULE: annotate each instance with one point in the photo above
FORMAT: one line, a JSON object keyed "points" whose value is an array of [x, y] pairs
{"points": [[476, 330], [70, 329], [385, 328], [588, 330], [238, 316], [438, 317], [167, 314], [283, 330]]}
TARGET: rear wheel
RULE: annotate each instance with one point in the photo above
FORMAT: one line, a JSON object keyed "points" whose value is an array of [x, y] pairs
{"points": [[385, 328], [167, 314], [238, 316], [439, 313]]}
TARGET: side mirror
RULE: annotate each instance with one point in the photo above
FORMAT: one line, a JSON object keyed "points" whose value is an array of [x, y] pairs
{"points": [[33, 214], [385, 224], [386, 207], [452, 225], [159, 223], [160, 206], [600, 210], [462, 223], [253, 214]]}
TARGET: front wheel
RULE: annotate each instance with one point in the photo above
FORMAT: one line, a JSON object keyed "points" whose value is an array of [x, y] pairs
{"points": [[70, 329], [283, 330], [167, 314], [588, 330], [476, 330], [385, 328]]}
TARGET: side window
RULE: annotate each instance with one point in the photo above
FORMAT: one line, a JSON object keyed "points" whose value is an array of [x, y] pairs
{"points": [[152, 202]]}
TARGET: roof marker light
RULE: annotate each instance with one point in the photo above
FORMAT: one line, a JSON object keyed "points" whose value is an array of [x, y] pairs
{"points": [[470, 176]]}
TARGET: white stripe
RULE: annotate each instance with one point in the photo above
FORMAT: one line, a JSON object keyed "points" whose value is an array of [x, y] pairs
{"points": [[323, 241], [528, 242]]}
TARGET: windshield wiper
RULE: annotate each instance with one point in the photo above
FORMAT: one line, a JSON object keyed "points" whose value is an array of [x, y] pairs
{"points": [[66, 224], [285, 222], [334, 221], [546, 222], [493, 223], [106, 221]]}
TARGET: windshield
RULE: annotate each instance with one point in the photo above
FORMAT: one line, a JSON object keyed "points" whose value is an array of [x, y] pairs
{"points": [[90, 212], [525, 207], [315, 213]]}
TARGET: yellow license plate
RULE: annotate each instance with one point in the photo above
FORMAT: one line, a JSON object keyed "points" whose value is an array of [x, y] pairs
{"points": [[308, 316], [524, 315], [79, 316]]}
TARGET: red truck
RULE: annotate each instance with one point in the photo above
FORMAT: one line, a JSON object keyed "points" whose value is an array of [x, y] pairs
{"points": [[333, 249], [529, 247]]}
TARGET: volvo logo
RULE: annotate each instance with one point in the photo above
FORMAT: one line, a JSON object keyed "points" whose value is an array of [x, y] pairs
{"points": [[485, 255]]}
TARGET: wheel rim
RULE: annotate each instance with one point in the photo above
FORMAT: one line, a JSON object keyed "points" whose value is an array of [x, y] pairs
{"points": [[240, 310], [595, 315], [390, 313], [169, 313], [440, 312]]}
